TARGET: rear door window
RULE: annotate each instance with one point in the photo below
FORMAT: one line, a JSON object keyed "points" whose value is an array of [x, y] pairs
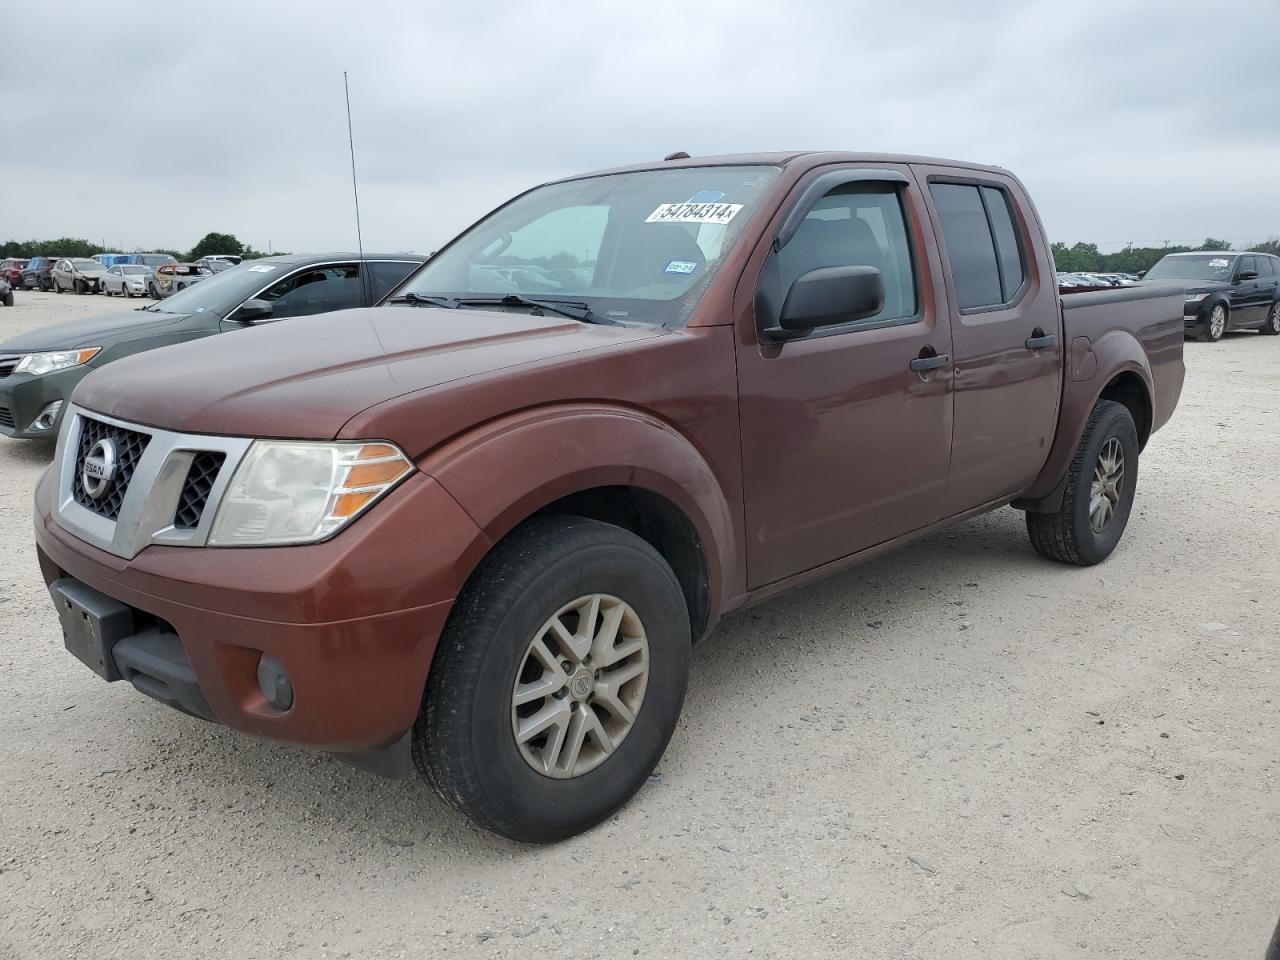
{"points": [[385, 274], [984, 244]]}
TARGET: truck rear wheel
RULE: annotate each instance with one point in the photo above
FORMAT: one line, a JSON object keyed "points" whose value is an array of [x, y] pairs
{"points": [[557, 682], [1101, 482]]}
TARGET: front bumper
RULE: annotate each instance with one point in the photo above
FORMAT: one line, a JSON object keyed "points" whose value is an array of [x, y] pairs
{"points": [[23, 398], [353, 621]]}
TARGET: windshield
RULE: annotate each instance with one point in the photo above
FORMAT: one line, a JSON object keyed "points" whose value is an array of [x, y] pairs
{"points": [[222, 293], [86, 264], [133, 270], [1210, 266], [632, 246]]}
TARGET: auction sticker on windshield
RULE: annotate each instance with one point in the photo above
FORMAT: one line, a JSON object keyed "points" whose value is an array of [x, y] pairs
{"points": [[262, 268], [694, 213]]}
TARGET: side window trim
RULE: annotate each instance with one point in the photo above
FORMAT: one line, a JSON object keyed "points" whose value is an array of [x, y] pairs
{"points": [[1021, 292], [819, 188]]}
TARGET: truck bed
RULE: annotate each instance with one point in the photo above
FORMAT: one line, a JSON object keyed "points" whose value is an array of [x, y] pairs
{"points": [[1146, 316]]}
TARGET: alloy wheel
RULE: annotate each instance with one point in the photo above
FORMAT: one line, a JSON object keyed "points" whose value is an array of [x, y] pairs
{"points": [[1107, 485], [1217, 322], [580, 686], [1274, 320]]}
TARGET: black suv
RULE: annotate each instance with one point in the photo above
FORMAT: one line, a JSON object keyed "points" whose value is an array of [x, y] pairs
{"points": [[36, 274], [1225, 291]]}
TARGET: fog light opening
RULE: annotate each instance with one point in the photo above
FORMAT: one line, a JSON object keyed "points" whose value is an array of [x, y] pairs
{"points": [[48, 416], [274, 683]]}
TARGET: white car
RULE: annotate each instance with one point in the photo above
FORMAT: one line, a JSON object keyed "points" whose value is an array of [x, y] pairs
{"points": [[129, 279]]}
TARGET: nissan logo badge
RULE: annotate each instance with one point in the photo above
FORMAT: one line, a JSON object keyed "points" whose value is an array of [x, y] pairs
{"points": [[99, 470]]}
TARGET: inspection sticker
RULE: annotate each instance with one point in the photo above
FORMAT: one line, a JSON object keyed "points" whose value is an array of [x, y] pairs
{"points": [[681, 266], [694, 213], [262, 268]]}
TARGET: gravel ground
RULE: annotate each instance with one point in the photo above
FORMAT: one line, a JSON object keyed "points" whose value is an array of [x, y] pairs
{"points": [[960, 750]]}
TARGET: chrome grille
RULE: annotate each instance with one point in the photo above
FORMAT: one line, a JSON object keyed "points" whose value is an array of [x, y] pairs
{"points": [[129, 445]]}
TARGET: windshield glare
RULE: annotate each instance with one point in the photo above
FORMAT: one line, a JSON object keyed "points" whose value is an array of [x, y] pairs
{"points": [[1210, 266], [634, 246]]}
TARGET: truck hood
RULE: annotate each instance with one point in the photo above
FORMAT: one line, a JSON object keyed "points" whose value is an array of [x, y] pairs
{"points": [[306, 377], [90, 332]]}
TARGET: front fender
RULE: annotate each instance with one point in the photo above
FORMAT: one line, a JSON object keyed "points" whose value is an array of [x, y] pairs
{"points": [[1093, 365], [504, 471]]}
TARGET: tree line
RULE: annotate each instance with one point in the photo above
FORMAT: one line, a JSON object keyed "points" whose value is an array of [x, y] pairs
{"points": [[76, 247], [1085, 258]]}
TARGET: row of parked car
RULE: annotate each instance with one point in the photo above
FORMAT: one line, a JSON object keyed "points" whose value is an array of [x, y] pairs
{"points": [[157, 275], [1070, 281]]}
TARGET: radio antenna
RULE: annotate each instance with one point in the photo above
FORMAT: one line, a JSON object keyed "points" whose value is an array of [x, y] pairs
{"points": [[355, 192]]}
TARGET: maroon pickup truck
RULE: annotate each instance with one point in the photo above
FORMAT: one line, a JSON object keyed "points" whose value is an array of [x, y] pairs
{"points": [[477, 528]]}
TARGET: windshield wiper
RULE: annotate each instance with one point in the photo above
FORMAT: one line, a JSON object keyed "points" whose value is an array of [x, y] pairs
{"points": [[566, 308], [449, 303]]}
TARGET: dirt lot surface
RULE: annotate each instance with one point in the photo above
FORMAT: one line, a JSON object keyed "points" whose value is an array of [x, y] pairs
{"points": [[960, 750]]}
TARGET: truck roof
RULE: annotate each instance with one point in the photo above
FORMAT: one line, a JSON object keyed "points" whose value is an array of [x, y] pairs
{"points": [[801, 158]]}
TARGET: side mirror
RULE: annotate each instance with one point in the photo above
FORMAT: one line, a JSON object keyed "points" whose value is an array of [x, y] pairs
{"points": [[254, 309], [1141, 274], [826, 297], [1247, 275]]}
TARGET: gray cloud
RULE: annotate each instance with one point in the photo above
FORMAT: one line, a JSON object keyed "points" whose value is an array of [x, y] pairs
{"points": [[157, 126]]}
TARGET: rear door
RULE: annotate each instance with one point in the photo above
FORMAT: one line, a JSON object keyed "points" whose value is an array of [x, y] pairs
{"points": [[1255, 293], [1006, 333], [844, 445]]}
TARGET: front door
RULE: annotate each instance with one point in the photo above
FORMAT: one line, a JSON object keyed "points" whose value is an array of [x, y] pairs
{"points": [[1006, 327], [844, 445]]}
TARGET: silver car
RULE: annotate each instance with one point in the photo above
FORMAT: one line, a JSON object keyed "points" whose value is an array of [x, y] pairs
{"points": [[77, 273], [129, 279]]}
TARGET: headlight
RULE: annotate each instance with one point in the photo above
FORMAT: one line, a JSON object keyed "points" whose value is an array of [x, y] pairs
{"points": [[38, 363], [300, 492], [1196, 297]]}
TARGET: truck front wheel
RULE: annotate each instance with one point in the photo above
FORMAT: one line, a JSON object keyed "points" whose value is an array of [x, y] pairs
{"points": [[1101, 482], [557, 682]]}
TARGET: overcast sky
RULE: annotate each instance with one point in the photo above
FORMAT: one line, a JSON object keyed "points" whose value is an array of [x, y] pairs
{"points": [[1127, 120]]}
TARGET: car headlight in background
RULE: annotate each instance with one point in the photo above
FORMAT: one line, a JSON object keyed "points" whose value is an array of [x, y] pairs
{"points": [[1196, 297], [293, 491], [38, 363]]}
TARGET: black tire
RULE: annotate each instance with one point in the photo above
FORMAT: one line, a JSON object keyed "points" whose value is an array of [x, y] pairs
{"points": [[1068, 535], [8, 299], [463, 740], [153, 292], [57, 287], [1210, 332], [1272, 327]]}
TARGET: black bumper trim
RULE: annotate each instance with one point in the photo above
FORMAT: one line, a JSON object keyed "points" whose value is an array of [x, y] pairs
{"points": [[155, 663]]}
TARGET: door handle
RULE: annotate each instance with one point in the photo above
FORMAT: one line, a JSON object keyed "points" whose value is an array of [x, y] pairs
{"points": [[1041, 341], [921, 364]]}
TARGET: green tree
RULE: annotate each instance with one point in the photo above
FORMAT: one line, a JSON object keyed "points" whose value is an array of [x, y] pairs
{"points": [[1212, 244], [1267, 246], [216, 243]]}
